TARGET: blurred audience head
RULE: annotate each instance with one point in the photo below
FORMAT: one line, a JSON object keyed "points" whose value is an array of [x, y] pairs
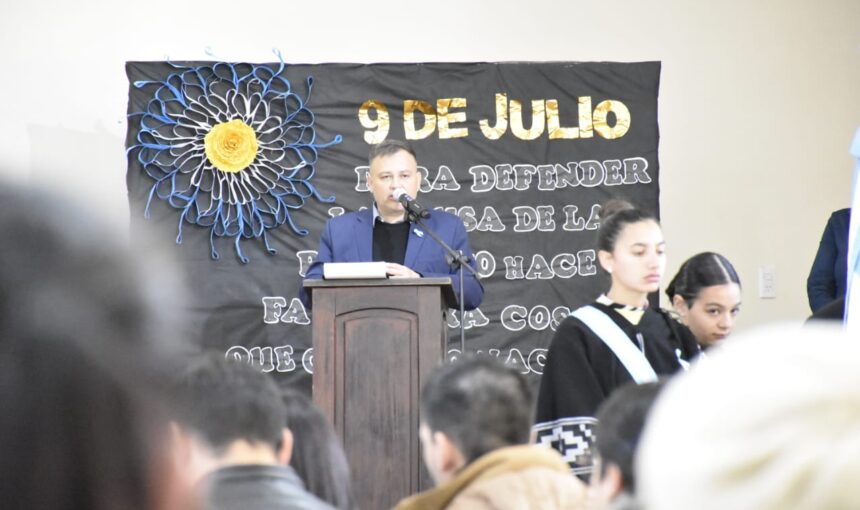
{"points": [[233, 412], [706, 293], [87, 336], [317, 457], [770, 420], [620, 420], [469, 408]]}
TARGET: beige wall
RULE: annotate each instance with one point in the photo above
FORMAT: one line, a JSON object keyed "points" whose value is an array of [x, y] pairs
{"points": [[759, 99]]}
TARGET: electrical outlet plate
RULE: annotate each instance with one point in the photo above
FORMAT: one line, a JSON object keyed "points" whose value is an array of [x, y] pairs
{"points": [[767, 282]]}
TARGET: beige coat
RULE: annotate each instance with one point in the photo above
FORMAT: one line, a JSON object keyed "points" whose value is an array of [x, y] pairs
{"points": [[516, 478]]}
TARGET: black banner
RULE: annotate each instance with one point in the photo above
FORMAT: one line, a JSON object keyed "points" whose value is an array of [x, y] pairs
{"points": [[524, 153]]}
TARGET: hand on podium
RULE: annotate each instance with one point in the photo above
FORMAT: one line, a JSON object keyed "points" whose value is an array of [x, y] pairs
{"points": [[398, 271]]}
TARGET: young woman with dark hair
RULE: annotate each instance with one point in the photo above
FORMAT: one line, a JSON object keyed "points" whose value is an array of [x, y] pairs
{"points": [[615, 339], [317, 457], [706, 294]]}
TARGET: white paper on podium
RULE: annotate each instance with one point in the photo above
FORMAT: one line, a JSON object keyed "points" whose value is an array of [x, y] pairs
{"points": [[353, 270]]}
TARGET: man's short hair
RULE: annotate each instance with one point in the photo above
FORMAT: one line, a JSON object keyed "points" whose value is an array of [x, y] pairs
{"points": [[389, 147], [224, 400], [620, 420], [479, 403]]}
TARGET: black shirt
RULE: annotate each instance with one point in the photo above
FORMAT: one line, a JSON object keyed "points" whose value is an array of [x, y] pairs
{"points": [[389, 241]]}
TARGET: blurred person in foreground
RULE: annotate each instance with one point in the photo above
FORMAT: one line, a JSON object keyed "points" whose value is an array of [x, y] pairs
{"points": [[770, 420], [475, 421], [620, 420], [87, 338], [318, 456], [232, 417]]}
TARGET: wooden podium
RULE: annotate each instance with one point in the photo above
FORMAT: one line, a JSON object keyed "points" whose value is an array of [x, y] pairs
{"points": [[375, 343]]}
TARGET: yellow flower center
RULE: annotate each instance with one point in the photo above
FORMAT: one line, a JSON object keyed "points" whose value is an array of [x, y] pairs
{"points": [[231, 146]]}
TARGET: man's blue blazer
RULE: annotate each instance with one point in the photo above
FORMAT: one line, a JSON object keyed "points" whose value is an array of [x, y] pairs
{"points": [[349, 238]]}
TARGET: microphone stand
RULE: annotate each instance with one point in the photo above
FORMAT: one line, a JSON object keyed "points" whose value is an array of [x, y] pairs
{"points": [[457, 260]]}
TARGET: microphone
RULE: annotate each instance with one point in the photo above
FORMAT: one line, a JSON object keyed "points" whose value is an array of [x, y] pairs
{"points": [[409, 203]]}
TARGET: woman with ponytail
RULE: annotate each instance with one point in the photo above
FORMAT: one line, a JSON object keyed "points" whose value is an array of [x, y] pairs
{"points": [[616, 339]]}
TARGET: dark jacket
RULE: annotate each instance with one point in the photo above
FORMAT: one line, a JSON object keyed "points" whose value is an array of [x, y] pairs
{"points": [[828, 278], [349, 238], [258, 487]]}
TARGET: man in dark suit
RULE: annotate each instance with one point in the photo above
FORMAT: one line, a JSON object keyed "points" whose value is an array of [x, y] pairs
{"points": [[383, 232], [828, 278]]}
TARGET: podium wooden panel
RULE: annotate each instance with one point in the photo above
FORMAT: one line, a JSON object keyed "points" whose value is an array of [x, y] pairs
{"points": [[375, 342]]}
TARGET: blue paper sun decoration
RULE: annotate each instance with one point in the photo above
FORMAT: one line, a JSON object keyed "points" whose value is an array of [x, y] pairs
{"points": [[231, 147]]}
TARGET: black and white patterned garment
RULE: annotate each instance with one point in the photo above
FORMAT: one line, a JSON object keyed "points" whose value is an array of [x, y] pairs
{"points": [[581, 372], [573, 438]]}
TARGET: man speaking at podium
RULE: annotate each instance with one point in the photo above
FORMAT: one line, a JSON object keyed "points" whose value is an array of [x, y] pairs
{"points": [[383, 233]]}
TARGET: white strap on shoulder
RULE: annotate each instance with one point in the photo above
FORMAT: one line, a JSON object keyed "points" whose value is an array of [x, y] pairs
{"points": [[617, 340]]}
